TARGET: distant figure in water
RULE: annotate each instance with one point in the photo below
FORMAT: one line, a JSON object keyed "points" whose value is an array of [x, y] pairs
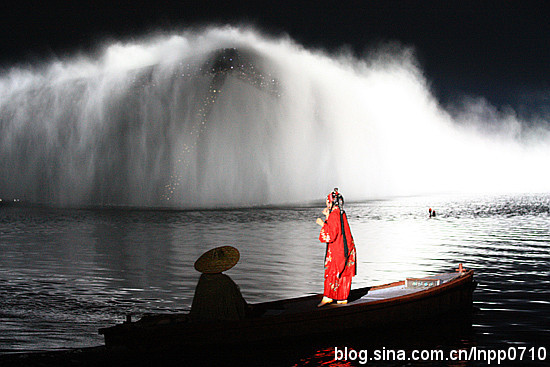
{"points": [[340, 258], [217, 296], [432, 213]]}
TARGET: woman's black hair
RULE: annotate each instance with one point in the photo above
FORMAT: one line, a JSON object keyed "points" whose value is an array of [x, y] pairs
{"points": [[337, 199]]}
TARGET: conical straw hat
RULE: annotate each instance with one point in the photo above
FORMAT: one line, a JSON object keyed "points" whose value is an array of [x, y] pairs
{"points": [[217, 260]]}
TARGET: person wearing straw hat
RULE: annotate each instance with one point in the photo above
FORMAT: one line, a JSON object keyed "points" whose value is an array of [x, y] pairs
{"points": [[217, 296]]}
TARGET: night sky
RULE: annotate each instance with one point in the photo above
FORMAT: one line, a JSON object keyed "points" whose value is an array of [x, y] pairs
{"points": [[499, 50]]}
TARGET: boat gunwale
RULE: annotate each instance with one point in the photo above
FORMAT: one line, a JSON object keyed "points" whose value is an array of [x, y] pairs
{"points": [[351, 308], [435, 289], [311, 315]]}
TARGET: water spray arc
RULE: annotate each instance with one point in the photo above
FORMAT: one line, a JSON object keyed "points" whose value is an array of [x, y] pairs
{"points": [[228, 117]]}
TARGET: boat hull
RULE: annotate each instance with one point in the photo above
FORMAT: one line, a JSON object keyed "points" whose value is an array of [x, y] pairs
{"points": [[299, 318]]}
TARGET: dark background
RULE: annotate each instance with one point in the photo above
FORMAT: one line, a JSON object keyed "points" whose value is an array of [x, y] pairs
{"points": [[499, 50]]}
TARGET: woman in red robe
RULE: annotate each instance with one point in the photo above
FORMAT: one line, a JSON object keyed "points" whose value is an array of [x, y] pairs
{"points": [[340, 266]]}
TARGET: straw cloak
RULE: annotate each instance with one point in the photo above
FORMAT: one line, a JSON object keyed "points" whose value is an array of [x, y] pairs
{"points": [[217, 296], [338, 271]]}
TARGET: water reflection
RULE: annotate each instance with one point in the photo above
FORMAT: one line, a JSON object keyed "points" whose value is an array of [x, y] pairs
{"points": [[396, 347]]}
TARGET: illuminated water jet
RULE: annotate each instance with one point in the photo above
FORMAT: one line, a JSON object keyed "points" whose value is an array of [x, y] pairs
{"points": [[228, 117]]}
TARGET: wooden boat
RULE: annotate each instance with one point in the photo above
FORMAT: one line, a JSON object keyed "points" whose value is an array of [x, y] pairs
{"points": [[377, 307]]}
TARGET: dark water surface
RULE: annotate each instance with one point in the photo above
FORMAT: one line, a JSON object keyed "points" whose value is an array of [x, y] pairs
{"points": [[64, 273]]}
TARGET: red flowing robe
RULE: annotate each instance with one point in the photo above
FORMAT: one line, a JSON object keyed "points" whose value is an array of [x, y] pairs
{"points": [[338, 272]]}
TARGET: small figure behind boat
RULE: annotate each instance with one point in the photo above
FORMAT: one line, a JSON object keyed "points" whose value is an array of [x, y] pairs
{"points": [[217, 296]]}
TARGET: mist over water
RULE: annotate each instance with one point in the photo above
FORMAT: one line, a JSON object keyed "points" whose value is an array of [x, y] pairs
{"points": [[160, 122]]}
